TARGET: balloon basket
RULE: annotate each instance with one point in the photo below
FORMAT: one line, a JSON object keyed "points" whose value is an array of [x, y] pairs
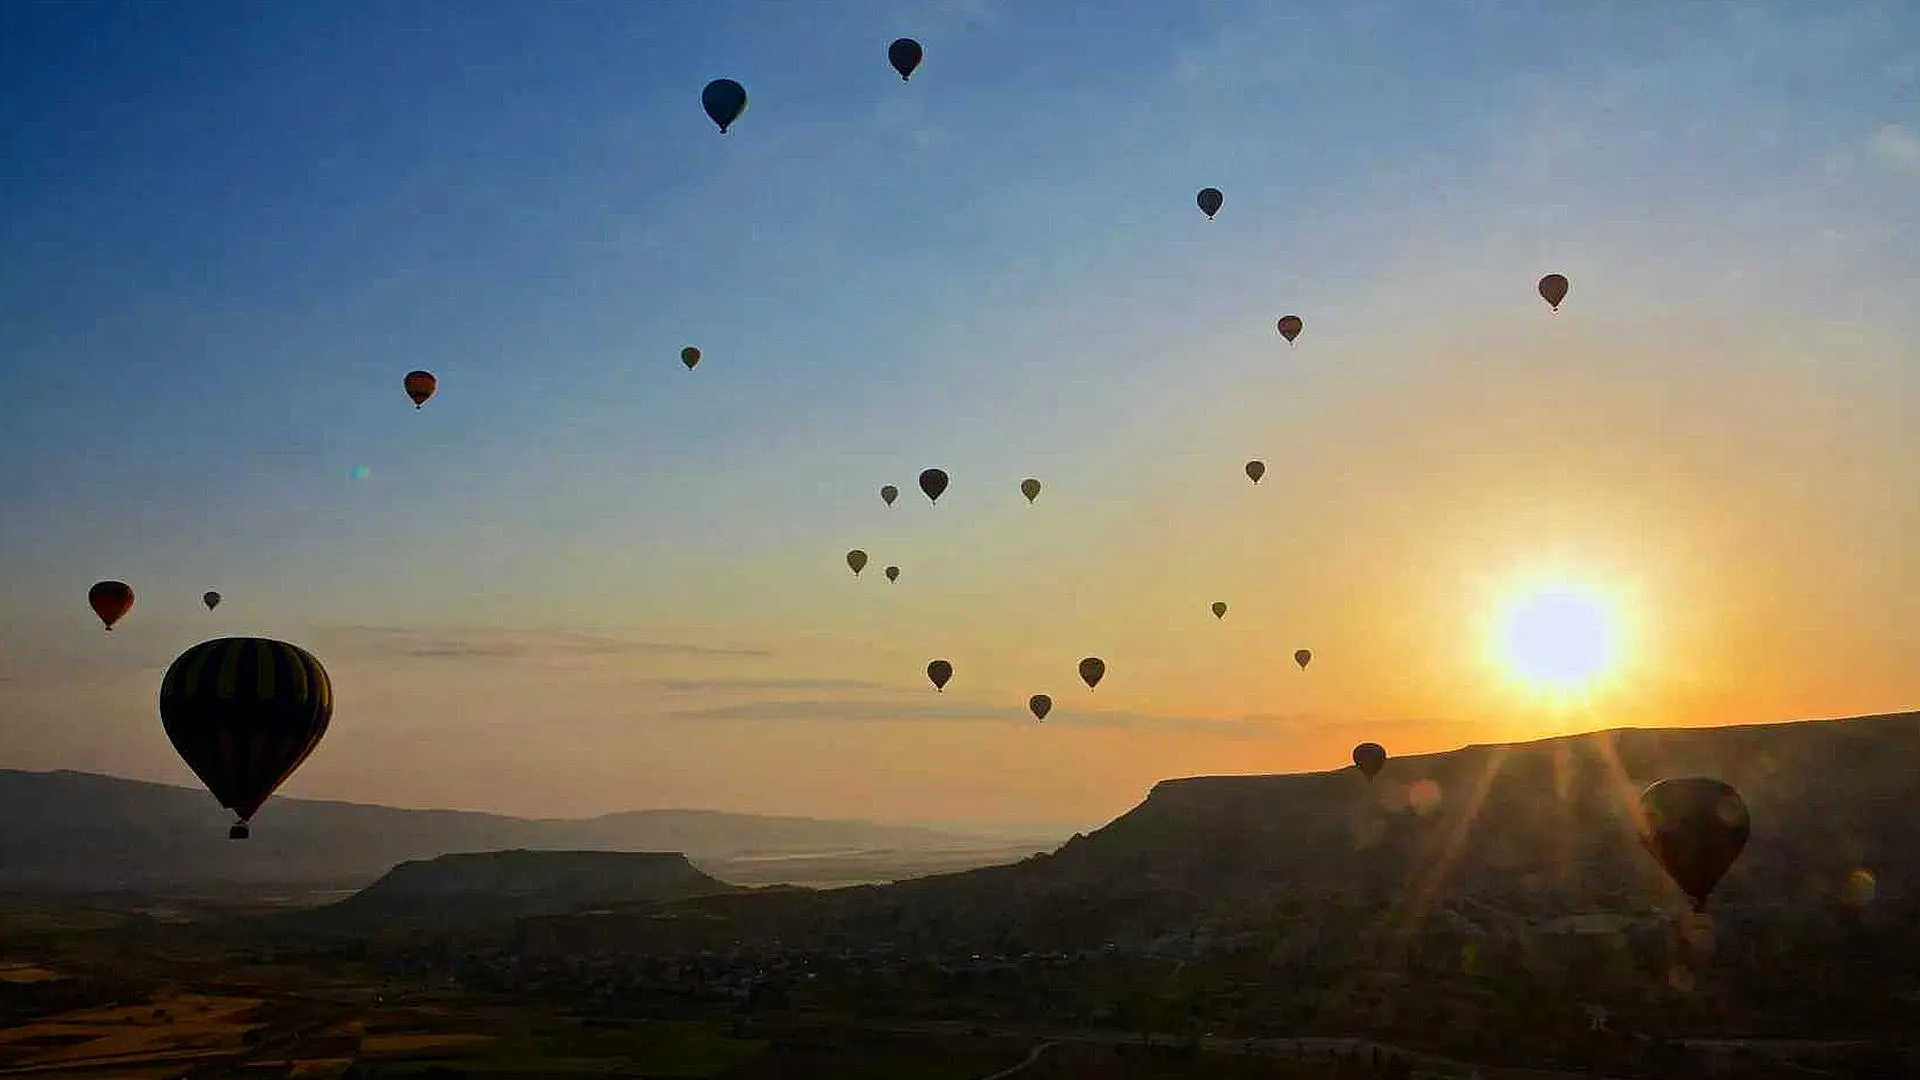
{"points": [[239, 831]]}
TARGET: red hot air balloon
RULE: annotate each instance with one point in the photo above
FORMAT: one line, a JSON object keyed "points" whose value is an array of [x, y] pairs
{"points": [[421, 386], [1290, 327], [1371, 757], [111, 600], [1553, 289]]}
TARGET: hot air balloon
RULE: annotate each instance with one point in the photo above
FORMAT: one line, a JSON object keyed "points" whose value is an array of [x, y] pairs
{"points": [[933, 482], [1092, 670], [1030, 488], [1553, 289], [211, 599], [111, 600], [1255, 470], [1210, 200], [857, 559], [1695, 826], [888, 493], [1041, 705], [690, 356], [1371, 757], [1290, 327], [724, 101], [420, 386], [939, 672], [893, 573], [1219, 609], [244, 713], [1303, 657], [904, 54]]}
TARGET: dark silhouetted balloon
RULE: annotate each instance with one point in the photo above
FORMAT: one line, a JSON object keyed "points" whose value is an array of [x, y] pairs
{"points": [[690, 356], [244, 713], [893, 573], [1290, 327], [1210, 200], [934, 483], [904, 54], [1041, 705], [1553, 289], [1030, 488], [1303, 657], [1371, 757], [111, 600], [939, 672], [1256, 470], [211, 599], [420, 386], [857, 559], [724, 101], [1219, 609], [1696, 827], [888, 493], [1092, 670]]}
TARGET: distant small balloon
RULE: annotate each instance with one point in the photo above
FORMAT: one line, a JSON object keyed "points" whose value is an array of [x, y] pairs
{"points": [[857, 559], [904, 54], [1370, 757], [1553, 289], [893, 573], [1210, 200], [1219, 609], [888, 493], [724, 101], [690, 356], [1030, 488], [110, 600], [1041, 705], [1303, 657], [1290, 327], [1092, 670], [939, 672], [1256, 470], [420, 386], [934, 483], [211, 599]]}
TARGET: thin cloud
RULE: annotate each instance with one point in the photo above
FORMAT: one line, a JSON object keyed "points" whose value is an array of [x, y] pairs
{"points": [[521, 645]]}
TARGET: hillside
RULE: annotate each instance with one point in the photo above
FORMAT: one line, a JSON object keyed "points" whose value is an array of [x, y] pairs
{"points": [[1493, 836], [479, 887], [70, 831]]}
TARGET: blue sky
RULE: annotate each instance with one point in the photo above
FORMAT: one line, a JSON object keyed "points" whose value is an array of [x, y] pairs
{"points": [[230, 228]]}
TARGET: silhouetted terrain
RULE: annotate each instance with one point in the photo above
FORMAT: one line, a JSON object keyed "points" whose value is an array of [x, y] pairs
{"points": [[71, 831]]}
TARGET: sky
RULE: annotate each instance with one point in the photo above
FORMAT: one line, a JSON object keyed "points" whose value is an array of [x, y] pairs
{"points": [[584, 578]]}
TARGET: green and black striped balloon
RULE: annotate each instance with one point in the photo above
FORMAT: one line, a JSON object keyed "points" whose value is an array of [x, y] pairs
{"points": [[244, 713]]}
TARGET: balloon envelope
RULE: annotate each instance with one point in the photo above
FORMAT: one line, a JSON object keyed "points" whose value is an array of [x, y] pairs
{"points": [[1092, 670], [857, 559], [939, 672], [1030, 488], [724, 101], [1371, 757], [1553, 289], [934, 483], [1695, 826], [888, 493], [904, 54], [211, 599], [690, 356], [420, 386], [1303, 657], [1219, 609], [1290, 327], [1256, 470], [1210, 200], [243, 713], [893, 573], [111, 600], [1041, 705]]}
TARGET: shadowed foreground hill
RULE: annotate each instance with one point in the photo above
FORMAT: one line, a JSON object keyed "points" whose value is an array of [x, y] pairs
{"points": [[469, 889], [71, 831], [1522, 834]]}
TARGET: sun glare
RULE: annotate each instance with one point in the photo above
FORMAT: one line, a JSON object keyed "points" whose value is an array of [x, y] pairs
{"points": [[1558, 638]]}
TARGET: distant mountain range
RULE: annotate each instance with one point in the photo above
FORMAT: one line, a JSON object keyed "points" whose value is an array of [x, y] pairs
{"points": [[72, 831]]}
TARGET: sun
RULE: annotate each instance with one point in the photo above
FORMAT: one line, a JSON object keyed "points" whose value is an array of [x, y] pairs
{"points": [[1558, 638]]}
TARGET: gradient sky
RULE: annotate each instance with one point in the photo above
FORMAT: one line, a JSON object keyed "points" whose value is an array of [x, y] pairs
{"points": [[584, 578]]}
